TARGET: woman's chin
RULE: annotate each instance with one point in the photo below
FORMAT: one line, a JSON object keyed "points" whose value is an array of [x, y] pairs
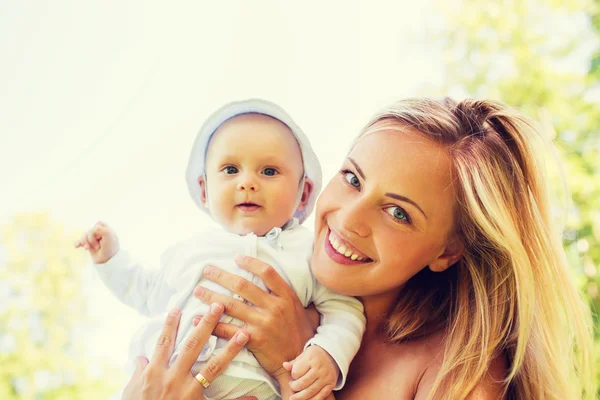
{"points": [[332, 277]]}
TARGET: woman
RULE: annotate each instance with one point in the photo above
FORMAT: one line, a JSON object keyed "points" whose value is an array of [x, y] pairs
{"points": [[466, 287]]}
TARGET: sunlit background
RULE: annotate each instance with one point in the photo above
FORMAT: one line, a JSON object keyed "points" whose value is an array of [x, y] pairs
{"points": [[100, 103]]}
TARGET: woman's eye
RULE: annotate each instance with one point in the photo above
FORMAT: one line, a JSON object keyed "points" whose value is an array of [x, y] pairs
{"points": [[270, 171], [398, 213], [230, 170], [351, 179]]}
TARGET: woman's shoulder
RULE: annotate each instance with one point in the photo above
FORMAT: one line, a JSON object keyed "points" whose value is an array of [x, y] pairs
{"points": [[387, 370], [490, 387]]}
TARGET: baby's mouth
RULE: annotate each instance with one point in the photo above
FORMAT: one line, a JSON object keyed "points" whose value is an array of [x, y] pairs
{"points": [[248, 207]]}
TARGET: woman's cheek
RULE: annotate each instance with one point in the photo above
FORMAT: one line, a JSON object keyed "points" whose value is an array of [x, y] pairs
{"points": [[330, 195]]}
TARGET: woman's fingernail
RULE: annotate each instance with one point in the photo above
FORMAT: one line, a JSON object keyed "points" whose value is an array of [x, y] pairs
{"points": [[174, 311], [238, 258], [198, 291], [208, 271], [216, 308], [241, 338]]}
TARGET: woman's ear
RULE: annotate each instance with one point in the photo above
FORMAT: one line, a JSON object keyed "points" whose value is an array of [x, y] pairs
{"points": [[203, 197], [451, 254], [306, 192]]}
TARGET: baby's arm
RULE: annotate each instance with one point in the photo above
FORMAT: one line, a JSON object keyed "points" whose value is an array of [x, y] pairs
{"points": [[141, 288], [315, 374], [101, 242], [339, 335]]}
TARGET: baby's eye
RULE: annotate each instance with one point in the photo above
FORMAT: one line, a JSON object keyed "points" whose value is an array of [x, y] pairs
{"points": [[270, 171], [351, 179], [230, 170], [398, 213]]}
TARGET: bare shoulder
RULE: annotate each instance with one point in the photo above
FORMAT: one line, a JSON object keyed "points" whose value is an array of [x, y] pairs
{"points": [[390, 370], [490, 387]]}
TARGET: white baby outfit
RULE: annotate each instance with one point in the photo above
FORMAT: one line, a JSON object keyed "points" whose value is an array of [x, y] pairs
{"points": [[153, 292]]}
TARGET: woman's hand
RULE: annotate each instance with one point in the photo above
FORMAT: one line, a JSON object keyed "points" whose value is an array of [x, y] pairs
{"points": [[277, 322], [157, 380]]}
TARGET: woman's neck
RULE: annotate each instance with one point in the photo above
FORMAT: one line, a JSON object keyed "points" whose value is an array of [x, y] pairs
{"points": [[377, 308]]}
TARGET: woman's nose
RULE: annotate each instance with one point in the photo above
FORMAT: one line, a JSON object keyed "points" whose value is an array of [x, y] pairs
{"points": [[355, 217]]}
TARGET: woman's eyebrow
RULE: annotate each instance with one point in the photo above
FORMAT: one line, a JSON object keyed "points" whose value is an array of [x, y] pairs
{"points": [[406, 199], [392, 195], [360, 172]]}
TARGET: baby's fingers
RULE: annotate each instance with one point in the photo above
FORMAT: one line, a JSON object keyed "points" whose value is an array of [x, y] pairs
{"points": [[82, 242], [316, 391], [92, 241], [321, 394], [288, 365], [304, 382], [300, 367]]}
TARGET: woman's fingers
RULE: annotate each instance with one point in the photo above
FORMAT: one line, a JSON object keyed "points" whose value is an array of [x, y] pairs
{"points": [[217, 363], [238, 285], [166, 340], [134, 387], [222, 330], [266, 272], [234, 308], [198, 338]]}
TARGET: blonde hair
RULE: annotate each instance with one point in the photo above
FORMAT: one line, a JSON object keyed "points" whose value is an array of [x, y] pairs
{"points": [[511, 295]]}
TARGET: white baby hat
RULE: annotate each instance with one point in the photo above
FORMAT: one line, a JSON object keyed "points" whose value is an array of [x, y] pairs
{"points": [[196, 163]]}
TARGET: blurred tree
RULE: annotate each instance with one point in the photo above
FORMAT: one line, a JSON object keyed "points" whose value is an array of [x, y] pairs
{"points": [[595, 64], [41, 308], [535, 55]]}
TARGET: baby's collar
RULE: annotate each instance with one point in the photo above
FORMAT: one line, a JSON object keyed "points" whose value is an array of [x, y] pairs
{"points": [[292, 223]]}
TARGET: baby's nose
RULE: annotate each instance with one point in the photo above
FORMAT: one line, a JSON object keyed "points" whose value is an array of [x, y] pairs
{"points": [[248, 184]]}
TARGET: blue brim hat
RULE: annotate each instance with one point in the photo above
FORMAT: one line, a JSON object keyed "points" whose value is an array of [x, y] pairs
{"points": [[197, 162]]}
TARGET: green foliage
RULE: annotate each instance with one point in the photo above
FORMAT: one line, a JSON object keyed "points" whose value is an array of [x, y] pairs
{"points": [[41, 305], [528, 53]]}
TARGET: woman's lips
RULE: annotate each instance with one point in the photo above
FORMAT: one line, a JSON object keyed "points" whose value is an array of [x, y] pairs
{"points": [[248, 207], [340, 258]]}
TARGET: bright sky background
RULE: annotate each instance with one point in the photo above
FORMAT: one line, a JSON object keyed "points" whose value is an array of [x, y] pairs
{"points": [[101, 102]]}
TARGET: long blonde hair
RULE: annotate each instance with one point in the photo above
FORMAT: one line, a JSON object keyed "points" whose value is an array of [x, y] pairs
{"points": [[512, 294]]}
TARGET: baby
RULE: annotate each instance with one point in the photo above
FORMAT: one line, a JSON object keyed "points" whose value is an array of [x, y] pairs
{"points": [[254, 172]]}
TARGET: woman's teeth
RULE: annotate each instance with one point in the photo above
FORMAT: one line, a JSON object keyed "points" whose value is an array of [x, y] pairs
{"points": [[340, 248]]}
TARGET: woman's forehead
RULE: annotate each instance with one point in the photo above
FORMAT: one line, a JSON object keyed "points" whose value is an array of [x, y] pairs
{"points": [[405, 161], [397, 147]]}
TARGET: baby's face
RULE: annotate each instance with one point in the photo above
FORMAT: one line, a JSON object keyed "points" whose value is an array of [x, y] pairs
{"points": [[253, 172]]}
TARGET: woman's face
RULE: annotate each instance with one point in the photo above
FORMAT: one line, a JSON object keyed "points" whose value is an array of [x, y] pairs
{"points": [[389, 210]]}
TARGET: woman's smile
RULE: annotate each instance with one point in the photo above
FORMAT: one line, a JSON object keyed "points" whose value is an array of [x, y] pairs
{"points": [[343, 252]]}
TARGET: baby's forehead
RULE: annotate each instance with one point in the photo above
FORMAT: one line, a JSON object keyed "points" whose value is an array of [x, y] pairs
{"points": [[249, 121], [253, 130]]}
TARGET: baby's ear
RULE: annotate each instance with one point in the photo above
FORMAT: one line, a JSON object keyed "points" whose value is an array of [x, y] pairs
{"points": [[202, 184], [306, 192]]}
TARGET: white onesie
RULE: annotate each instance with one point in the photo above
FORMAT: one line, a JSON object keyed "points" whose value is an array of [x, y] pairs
{"points": [[155, 291]]}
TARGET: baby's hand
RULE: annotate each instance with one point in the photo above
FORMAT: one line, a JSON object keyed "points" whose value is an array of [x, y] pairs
{"points": [[100, 241], [315, 374]]}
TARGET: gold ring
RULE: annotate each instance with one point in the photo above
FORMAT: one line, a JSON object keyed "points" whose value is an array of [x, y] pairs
{"points": [[203, 381]]}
